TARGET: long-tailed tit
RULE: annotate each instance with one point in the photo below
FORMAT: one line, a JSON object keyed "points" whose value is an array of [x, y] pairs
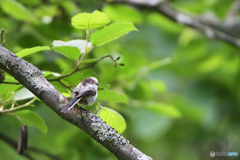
{"points": [[85, 93]]}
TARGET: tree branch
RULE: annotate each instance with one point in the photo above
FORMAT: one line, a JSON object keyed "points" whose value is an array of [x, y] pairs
{"points": [[32, 78], [230, 25], [231, 18], [182, 18]]}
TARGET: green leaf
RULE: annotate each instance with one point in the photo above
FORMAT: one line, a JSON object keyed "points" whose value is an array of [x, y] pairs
{"points": [[71, 49], [158, 86], [108, 95], [23, 94], [187, 36], [70, 52], [29, 118], [30, 3], [113, 119], [7, 90], [17, 10], [88, 60], [112, 32], [159, 63], [49, 74], [123, 13], [163, 23], [66, 94], [29, 51], [93, 20], [163, 109], [211, 64]]}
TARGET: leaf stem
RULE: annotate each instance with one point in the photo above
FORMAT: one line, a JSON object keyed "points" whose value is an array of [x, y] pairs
{"points": [[86, 50], [6, 101], [21, 106]]}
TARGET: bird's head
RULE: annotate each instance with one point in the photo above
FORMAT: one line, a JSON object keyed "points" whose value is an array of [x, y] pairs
{"points": [[93, 80]]}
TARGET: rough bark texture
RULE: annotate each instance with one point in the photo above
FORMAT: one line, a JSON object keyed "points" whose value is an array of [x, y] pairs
{"points": [[32, 78]]}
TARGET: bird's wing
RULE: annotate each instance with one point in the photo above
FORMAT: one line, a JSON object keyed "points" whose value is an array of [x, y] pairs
{"points": [[70, 104], [86, 91], [76, 90]]}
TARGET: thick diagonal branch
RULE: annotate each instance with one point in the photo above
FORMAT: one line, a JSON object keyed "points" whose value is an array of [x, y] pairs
{"points": [[32, 78]]}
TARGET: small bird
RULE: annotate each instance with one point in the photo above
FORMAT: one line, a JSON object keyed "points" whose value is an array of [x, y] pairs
{"points": [[85, 93]]}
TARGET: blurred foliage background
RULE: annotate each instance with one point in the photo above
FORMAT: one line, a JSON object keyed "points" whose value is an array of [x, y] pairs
{"points": [[182, 87]]}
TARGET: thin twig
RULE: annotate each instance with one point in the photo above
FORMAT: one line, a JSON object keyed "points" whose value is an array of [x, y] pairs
{"points": [[78, 69], [2, 38], [16, 83], [5, 101], [18, 107], [59, 81], [21, 106]]}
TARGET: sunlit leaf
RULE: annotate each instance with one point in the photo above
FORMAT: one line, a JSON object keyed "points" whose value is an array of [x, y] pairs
{"points": [[112, 32], [29, 51], [113, 119], [88, 60], [123, 13], [7, 90], [189, 110], [48, 74], [71, 49], [23, 94], [158, 86], [163, 22], [9, 78], [66, 94], [29, 3], [159, 63], [187, 36], [211, 63], [108, 95], [93, 20], [163, 109], [17, 10], [70, 52], [81, 44], [29, 118]]}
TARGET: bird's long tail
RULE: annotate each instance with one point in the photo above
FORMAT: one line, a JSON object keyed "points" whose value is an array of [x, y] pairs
{"points": [[70, 104]]}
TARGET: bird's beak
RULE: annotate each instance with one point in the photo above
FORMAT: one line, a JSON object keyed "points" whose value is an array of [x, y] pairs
{"points": [[97, 83]]}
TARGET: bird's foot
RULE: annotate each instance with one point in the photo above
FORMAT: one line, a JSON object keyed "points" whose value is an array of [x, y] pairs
{"points": [[76, 110]]}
